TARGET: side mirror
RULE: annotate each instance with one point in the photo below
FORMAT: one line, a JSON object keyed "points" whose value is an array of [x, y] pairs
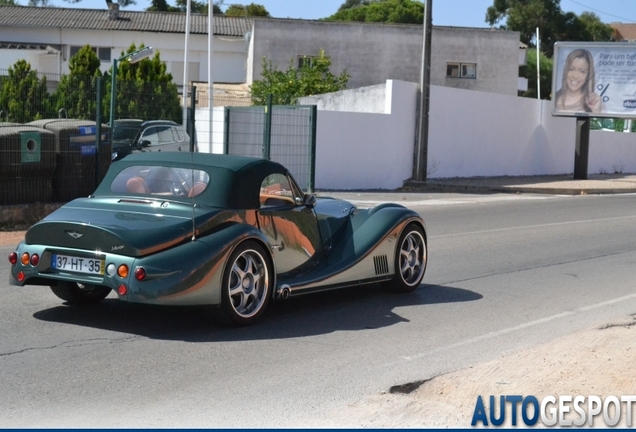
{"points": [[144, 143], [309, 200]]}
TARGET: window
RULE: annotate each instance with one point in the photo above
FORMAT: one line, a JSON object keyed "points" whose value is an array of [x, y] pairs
{"points": [[305, 61], [159, 180], [277, 190], [461, 70], [102, 53]]}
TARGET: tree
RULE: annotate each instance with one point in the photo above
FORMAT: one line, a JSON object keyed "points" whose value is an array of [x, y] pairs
{"points": [[529, 71], [554, 25], [286, 87], [182, 5], [387, 11], [9, 3], [161, 6], [76, 92], [144, 90], [121, 3], [251, 10], [348, 4], [597, 30], [22, 96]]}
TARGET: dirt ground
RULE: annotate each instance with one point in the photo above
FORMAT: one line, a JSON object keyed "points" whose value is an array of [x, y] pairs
{"points": [[8, 238], [599, 361]]}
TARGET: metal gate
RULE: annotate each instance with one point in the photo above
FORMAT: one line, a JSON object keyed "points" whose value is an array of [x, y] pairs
{"points": [[284, 134]]}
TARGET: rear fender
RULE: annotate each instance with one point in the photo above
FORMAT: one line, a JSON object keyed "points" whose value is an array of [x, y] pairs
{"points": [[190, 274]]}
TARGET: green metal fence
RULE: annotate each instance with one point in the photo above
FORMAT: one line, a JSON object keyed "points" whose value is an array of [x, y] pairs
{"points": [[285, 134]]}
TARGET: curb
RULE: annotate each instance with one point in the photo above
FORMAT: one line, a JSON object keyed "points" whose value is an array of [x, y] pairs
{"points": [[483, 189]]}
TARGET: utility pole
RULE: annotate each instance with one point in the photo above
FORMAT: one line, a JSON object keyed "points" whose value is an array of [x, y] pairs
{"points": [[421, 154]]}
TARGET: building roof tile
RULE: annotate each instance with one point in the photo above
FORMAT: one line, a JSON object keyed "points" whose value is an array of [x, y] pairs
{"points": [[98, 19], [624, 31]]}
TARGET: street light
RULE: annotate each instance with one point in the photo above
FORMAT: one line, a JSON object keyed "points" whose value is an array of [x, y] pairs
{"points": [[132, 57]]}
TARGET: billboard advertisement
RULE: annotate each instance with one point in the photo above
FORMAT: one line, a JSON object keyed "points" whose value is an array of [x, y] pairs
{"points": [[593, 79]]}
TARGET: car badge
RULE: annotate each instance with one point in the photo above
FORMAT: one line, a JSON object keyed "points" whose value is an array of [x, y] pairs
{"points": [[74, 234]]}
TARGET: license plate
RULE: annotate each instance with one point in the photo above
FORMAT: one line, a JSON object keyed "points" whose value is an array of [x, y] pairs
{"points": [[77, 264]]}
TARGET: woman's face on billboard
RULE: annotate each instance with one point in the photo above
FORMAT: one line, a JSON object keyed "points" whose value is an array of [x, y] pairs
{"points": [[577, 74]]}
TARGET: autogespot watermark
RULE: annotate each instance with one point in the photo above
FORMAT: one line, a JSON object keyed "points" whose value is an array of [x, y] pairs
{"points": [[563, 410]]}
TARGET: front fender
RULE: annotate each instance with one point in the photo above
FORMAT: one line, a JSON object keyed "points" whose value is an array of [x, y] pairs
{"points": [[190, 274], [372, 226], [366, 255]]}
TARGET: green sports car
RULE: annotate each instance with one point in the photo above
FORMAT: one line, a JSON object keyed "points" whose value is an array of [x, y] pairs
{"points": [[228, 231]]}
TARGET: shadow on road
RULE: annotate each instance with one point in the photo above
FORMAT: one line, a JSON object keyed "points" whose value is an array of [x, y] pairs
{"points": [[358, 308]]}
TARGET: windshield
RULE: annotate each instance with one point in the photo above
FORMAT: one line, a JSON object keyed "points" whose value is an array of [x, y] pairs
{"points": [[126, 131], [160, 181]]}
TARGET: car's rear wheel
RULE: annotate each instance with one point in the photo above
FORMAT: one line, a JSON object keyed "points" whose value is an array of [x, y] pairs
{"points": [[80, 294], [247, 284], [410, 260]]}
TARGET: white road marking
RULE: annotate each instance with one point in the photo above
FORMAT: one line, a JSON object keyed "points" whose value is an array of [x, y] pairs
{"points": [[513, 329], [553, 224]]}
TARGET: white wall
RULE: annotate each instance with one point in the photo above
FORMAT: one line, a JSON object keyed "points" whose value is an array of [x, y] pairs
{"points": [[368, 150], [203, 126], [612, 152], [484, 134], [479, 134]]}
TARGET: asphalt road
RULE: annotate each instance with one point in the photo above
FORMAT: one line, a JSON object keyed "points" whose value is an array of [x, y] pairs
{"points": [[505, 272]]}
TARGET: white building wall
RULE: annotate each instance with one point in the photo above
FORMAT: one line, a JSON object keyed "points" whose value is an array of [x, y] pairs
{"points": [[228, 62], [371, 53]]}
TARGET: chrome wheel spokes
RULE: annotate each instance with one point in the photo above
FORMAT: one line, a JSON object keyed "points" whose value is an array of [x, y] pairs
{"points": [[248, 284], [412, 258]]}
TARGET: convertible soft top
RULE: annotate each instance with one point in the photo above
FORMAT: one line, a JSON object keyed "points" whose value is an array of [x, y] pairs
{"points": [[234, 180]]}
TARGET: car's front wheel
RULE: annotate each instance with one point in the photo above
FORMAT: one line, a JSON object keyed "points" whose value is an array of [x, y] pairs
{"points": [[247, 284], [80, 294], [410, 260]]}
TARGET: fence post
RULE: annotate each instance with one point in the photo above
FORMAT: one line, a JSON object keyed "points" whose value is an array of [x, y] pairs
{"points": [[226, 135], [312, 150], [191, 117], [267, 134], [98, 128]]}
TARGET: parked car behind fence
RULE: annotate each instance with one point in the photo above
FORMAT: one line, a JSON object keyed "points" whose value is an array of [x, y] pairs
{"points": [[134, 135]]}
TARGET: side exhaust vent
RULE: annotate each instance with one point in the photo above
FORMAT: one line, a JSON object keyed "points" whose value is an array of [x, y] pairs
{"points": [[381, 264]]}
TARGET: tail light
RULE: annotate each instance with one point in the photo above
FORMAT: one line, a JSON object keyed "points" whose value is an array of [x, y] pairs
{"points": [[140, 273], [13, 258], [122, 290], [25, 258], [122, 271], [35, 260]]}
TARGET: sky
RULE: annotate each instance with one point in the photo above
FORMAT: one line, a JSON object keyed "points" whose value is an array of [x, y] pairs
{"points": [[462, 13]]}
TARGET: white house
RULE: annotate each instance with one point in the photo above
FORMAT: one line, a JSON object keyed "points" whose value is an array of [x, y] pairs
{"points": [[48, 37]]}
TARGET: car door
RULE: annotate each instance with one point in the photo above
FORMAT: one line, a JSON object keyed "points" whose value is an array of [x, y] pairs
{"points": [[151, 138], [290, 226]]}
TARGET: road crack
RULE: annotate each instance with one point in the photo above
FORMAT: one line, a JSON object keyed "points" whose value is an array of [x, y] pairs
{"points": [[74, 344]]}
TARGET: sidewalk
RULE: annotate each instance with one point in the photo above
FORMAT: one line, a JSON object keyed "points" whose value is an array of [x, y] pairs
{"points": [[557, 184]]}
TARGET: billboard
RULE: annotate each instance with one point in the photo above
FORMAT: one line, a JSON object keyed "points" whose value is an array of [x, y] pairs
{"points": [[593, 79]]}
